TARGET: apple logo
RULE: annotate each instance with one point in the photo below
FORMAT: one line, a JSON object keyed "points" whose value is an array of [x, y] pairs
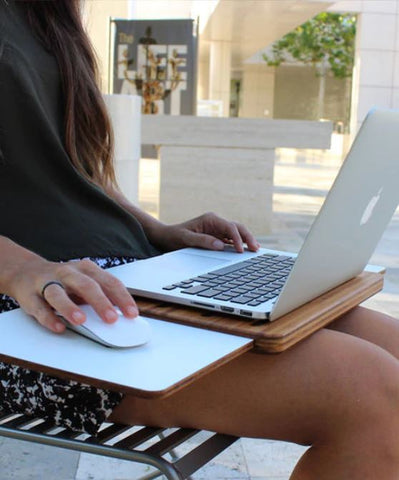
{"points": [[368, 211]]}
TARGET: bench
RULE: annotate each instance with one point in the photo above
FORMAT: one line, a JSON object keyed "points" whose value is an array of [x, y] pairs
{"points": [[148, 445]]}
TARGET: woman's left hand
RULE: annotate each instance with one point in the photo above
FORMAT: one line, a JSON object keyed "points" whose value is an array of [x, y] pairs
{"points": [[207, 231]]}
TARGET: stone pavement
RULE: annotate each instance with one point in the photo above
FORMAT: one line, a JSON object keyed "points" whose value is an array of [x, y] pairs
{"points": [[300, 189]]}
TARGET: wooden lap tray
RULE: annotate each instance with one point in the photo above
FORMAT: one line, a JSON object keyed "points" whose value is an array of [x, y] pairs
{"points": [[277, 336]]}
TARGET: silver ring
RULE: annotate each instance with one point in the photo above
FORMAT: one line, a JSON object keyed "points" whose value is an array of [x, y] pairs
{"points": [[51, 282]]}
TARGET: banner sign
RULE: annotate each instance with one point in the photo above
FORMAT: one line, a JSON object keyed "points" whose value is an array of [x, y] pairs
{"points": [[156, 59]]}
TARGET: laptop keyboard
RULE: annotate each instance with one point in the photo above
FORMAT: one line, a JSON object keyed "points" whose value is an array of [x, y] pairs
{"points": [[251, 282]]}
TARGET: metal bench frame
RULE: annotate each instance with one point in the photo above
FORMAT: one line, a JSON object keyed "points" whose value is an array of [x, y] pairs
{"points": [[147, 445]]}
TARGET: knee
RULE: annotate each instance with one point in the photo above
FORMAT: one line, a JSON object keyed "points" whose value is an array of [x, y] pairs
{"points": [[368, 402], [377, 386]]}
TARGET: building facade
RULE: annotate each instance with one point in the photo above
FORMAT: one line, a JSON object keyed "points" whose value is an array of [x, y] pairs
{"points": [[232, 77]]}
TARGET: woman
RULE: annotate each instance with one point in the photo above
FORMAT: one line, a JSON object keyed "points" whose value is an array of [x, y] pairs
{"points": [[336, 392]]}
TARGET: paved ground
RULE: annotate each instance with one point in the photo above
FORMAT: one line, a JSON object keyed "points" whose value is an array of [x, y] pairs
{"points": [[301, 183]]}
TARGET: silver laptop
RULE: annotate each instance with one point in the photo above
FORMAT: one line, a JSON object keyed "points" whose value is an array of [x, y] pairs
{"points": [[268, 284]]}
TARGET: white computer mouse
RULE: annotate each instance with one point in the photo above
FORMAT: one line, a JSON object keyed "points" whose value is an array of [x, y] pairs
{"points": [[124, 333]]}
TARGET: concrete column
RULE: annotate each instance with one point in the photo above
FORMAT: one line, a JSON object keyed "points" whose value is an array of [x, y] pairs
{"points": [[376, 79], [219, 73], [257, 91], [125, 114], [203, 80]]}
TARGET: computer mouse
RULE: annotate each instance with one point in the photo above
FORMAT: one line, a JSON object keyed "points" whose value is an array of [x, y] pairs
{"points": [[124, 333]]}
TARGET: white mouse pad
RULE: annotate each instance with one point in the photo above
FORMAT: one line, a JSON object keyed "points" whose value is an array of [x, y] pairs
{"points": [[174, 354]]}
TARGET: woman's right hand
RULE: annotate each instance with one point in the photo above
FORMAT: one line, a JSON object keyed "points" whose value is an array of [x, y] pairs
{"points": [[82, 282]]}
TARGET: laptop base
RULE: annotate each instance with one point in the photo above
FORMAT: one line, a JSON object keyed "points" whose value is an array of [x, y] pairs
{"points": [[274, 337]]}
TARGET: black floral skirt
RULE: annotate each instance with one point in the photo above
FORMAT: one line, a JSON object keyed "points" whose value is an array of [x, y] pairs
{"points": [[68, 403]]}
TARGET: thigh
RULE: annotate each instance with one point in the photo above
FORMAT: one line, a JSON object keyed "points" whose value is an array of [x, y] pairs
{"points": [[301, 395], [370, 325]]}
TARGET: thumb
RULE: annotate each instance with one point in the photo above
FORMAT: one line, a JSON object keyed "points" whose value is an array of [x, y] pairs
{"points": [[202, 240]]}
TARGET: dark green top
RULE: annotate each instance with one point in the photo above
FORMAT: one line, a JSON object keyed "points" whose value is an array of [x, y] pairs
{"points": [[45, 204]]}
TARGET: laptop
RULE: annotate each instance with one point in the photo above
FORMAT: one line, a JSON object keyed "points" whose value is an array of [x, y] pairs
{"points": [[268, 284]]}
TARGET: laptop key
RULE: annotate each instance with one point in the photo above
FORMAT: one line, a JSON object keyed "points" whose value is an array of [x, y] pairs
{"points": [[237, 283], [252, 295], [209, 293], [210, 284], [184, 284], [229, 269], [258, 283], [203, 278], [251, 287], [195, 290], [228, 278], [224, 297], [221, 288], [264, 290], [242, 300], [224, 289], [239, 290], [281, 258], [217, 281], [265, 298], [169, 287], [228, 285]]}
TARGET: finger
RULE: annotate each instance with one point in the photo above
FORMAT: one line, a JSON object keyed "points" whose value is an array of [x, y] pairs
{"points": [[44, 314], [113, 288], [90, 291], [223, 229], [229, 233], [247, 237], [117, 293], [202, 240], [57, 298], [232, 233]]}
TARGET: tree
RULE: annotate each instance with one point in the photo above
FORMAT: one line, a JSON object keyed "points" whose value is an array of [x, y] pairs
{"points": [[327, 42]]}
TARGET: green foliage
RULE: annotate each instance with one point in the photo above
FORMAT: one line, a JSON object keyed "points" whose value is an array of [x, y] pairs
{"points": [[327, 39]]}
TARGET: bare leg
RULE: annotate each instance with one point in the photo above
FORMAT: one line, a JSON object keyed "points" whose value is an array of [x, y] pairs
{"points": [[333, 391]]}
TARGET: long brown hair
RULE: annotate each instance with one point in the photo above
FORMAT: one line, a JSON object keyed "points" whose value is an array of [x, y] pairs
{"points": [[88, 132]]}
